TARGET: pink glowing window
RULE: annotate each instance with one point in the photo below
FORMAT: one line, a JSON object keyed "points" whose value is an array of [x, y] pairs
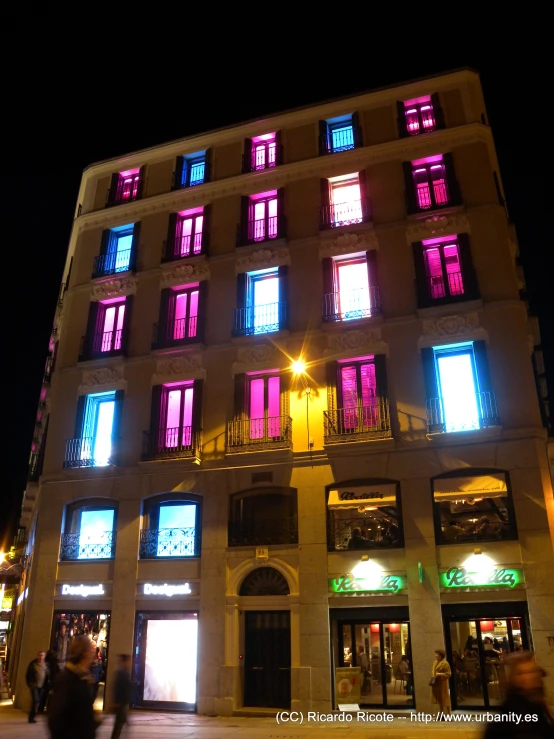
{"points": [[112, 316], [185, 313], [178, 415], [346, 199], [358, 389], [264, 149], [188, 232], [430, 183], [352, 288], [419, 115], [443, 269], [265, 407], [128, 185], [263, 216]]}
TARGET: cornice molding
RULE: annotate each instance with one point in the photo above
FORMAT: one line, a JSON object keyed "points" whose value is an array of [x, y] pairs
{"points": [[349, 243], [103, 378], [182, 367], [114, 287], [262, 259], [443, 224], [324, 166], [181, 273]]}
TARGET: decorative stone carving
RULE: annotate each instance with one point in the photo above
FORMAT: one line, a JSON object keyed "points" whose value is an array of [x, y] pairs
{"points": [[179, 365], [263, 259], [115, 287], [260, 354], [109, 378], [349, 243], [451, 325], [188, 272], [438, 225], [354, 340]]}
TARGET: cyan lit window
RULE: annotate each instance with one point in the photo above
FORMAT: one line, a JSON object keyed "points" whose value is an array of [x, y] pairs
{"points": [[177, 526], [118, 256], [340, 134], [193, 170], [97, 428], [89, 533], [263, 300]]}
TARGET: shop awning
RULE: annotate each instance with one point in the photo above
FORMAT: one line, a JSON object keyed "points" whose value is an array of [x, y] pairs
{"points": [[356, 497], [468, 488]]}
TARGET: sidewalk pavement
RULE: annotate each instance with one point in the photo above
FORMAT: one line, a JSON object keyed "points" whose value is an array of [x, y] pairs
{"points": [[154, 725]]}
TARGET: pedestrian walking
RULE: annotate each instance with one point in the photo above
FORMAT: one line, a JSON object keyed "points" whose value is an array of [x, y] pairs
{"points": [[37, 682], [123, 686], [440, 674]]}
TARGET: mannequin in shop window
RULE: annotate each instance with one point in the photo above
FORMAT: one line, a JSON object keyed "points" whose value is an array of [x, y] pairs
{"points": [[103, 639]]}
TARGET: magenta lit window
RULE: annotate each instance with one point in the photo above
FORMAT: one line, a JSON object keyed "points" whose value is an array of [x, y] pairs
{"points": [[185, 320], [128, 185], [112, 319], [264, 407], [359, 394], [443, 269], [419, 115], [178, 416], [264, 151], [430, 183], [263, 216], [188, 233]]}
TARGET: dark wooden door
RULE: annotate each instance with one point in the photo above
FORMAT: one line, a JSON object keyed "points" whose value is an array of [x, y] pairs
{"points": [[267, 659]]}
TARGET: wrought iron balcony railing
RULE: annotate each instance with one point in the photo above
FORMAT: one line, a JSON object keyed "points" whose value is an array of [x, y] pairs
{"points": [[181, 331], [345, 214], [90, 451], [198, 173], [349, 305], [128, 189], [265, 158], [156, 543], [373, 534], [263, 532], [264, 229], [362, 423], [260, 319], [100, 545], [440, 420], [111, 264], [171, 443], [181, 247], [259, 433], [48, 369], [341, 140], [104, 344], [435, 195]]}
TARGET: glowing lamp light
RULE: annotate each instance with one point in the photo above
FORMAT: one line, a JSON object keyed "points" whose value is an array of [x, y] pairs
{"points": [[298, 367], [374, 628], [394, 628], [370, 572], [487, 626], [480, 566]]}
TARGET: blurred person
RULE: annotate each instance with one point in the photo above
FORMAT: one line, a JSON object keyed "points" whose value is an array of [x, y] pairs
{"points": [[122, 693], [440, 674], [96, 669], [36, 678], [357, 541], [53, 672], [70, 713]]}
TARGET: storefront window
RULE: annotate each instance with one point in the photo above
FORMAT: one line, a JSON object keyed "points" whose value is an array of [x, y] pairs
{"points": [[473, 507]]}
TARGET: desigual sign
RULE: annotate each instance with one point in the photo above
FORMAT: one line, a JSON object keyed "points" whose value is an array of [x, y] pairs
{"points": [[83, 590], [349, 584], [167, 590], [460, 577]]}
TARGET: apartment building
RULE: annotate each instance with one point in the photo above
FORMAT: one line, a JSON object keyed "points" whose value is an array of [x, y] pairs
{"points": [[289, 431]]}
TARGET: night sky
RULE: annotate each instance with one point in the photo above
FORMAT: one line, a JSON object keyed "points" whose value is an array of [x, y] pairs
{"points": [[68, 115]]}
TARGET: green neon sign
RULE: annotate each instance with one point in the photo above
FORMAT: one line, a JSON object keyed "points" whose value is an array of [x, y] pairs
{"points": [[460, 577], [349, 584]]}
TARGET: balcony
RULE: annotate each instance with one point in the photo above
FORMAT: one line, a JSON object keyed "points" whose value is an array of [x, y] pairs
{"points": [[127, 190], [350, 305], [35, 466], [283, 531], [439, 421], [100, 545], [258, 231], [260, 319], [156, 543], [111, 264], [364, 423], [268, 157], [181, 331], [89, 452], [183, 442], [104, 344], [345, 214], [259, 434], [339, 140], [181, 247], [374, 536], [48, 370]]}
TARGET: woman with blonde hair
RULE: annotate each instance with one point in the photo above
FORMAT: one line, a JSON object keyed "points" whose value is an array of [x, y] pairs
{"points": [[440, 673]]}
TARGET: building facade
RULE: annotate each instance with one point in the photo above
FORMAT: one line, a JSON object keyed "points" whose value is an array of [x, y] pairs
{"points": [[290, 432]]}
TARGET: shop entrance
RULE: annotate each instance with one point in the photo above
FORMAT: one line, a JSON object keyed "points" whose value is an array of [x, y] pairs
{"points": [[478, 640], [267, 659], [95, 625], [165, 661], [380, 646]]}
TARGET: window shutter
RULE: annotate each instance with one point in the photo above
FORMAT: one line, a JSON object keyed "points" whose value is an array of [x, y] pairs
{"points": [[382, 391], [326, 217], [134, 247], [279, 159], [333, 422], [401, 119], [92, 327], [482, 366], [202, 303], [411, 202], [430, 373], [244, 214], [283, 273], [471, 286], [364, 195], [453, 186], [239, 398], [281, 230], [323, 138], [373, 282], [206, 230], [357, 130], [422, 288], [80, 417], [284, 386], [207, 165], [112, 192], [163, 321], [116, 427], [241, 290], [178, 174], [247, 156], [438, 112], [127, 318], [105, 242], [171, 235], [141, 184], [198, 392], [156, 419]]}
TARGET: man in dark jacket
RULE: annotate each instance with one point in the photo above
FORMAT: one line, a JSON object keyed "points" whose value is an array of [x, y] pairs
{"points": [[37, 681], [70, 713], [122, 694]]}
